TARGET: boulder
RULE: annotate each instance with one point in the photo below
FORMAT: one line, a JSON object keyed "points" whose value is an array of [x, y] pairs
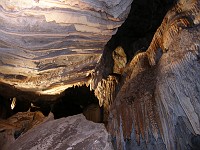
{"points": [[17, 125], [74, 132]]}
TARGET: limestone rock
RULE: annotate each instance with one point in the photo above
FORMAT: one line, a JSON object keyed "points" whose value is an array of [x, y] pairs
{"points": [[159, 103], [93, 113], [73, 132], [18, 124], [49, 45], [120, 60]]}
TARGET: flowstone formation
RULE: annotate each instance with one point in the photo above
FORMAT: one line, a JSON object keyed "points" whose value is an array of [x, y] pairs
{"points": [[157, 99], [147, 82], [47, 46]]}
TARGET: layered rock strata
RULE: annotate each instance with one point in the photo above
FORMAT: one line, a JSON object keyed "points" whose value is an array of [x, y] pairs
{"points": [[49, 45]]}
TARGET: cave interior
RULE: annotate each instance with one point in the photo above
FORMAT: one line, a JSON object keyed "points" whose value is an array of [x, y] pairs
{"points": [[134, 36]]}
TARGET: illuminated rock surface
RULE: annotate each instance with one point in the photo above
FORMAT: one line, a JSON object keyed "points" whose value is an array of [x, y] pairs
{"points": [[158, 104], [150, 92], [49, 45], [73, 132]]}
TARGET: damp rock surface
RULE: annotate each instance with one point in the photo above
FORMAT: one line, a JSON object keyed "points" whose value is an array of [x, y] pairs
{"points": [[74, 132]]}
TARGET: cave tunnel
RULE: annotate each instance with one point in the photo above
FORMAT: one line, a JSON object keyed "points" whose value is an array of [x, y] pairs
{"points": [[5, 109], [74, 100], [141, 130], [135, 34]]}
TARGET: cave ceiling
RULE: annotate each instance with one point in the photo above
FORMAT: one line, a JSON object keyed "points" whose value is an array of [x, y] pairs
{"points": [[47, 46], [146, 78]]}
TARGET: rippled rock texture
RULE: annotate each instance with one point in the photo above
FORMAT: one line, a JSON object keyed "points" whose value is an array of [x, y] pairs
{"points": [[150, 94], [49, 45], [156, 102], [69, 133]]}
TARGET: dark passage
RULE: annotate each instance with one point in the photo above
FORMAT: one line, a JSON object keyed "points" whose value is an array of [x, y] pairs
{"points": [[5, 110], [78, 100], [74, 101], [136, 33]]}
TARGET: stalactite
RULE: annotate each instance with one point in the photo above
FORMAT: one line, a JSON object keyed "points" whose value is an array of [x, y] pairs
{"points": [[105, 92], [159, 92], [135, 103]]}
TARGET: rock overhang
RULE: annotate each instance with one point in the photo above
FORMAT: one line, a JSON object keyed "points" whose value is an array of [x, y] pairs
{"points": [[47, 46]]}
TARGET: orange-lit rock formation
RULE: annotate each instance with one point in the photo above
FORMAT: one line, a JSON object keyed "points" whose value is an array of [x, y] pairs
{"points": [[150, 95], [158, 105]]}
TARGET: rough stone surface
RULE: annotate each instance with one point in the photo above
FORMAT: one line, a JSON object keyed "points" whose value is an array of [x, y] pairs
{"points": [[69, 133], [49, 45], [18, 124], [154, 104], [158, 103], [120, 60]]}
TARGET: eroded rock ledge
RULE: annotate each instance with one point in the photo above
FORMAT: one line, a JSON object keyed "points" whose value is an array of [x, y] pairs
{"points": [[49, 45]]}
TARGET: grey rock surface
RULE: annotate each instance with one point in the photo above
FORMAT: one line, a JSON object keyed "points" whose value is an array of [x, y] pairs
{"points": [[71, 133], [47, 46]]}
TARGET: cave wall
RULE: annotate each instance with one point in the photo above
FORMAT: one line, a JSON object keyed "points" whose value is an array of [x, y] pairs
{"points": [[151, 103], [135, 34], [156, 104]]}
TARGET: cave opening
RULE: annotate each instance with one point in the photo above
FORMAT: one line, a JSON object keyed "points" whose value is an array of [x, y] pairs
{"points": [[76, 100], [136, 33], [73, 101]]}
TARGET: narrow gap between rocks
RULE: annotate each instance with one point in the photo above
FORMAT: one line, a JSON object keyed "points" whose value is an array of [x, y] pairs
{"points": [[78, 100], [74, 101]]}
